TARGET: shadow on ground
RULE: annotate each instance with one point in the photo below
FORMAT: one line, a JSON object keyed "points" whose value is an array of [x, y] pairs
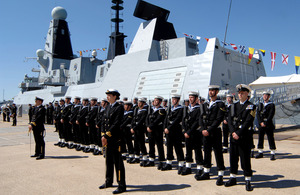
{"points": [[156, 188], [64, 157]]}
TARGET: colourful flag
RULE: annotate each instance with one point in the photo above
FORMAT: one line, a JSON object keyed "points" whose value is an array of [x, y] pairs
{"points": [[251, 51], [198, 39], [263, 52], [206, 39], [242, 49], [233, 46], [285, 59], [80, 53], [297, 63], [273, 56], [186, 34], [224, 43]]}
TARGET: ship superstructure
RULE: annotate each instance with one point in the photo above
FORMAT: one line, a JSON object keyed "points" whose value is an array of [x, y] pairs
{"points": [[157, 63]]}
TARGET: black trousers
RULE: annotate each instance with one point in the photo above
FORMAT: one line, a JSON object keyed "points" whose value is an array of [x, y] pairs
{"points": [[240, 149], [139, 142], [156, 138], [174, 140], [127, 141], [4, 116], [39, 142], [270, 134], [8, 117], [194, 143], [213, 141], [85, 138], [15, 120], [30, 118], [225, 129], [60, 128], [92, 133], [67, 133], [114, 160], [76, 133], [98, 137]]}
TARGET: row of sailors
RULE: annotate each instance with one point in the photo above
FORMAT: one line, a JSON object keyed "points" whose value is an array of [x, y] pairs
{"points": [[80, 127]]}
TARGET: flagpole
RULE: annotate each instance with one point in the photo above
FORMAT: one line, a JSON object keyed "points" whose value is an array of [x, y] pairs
{"points": [[227, 23]]}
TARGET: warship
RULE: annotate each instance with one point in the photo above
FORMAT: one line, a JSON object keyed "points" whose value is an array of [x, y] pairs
{"points": [[157, 62]]}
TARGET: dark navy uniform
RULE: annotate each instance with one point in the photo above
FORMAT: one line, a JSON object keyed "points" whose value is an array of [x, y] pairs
{"points": [[90, 120], [174, 137], [73, 117], [111, 130], [37, 123], [265, 114], [155, 123], [212, 114], [225, 129], [14, 115], [127, 138], [83, 129], [65, 116], [190, 126], [241, 117], [138, 124]]}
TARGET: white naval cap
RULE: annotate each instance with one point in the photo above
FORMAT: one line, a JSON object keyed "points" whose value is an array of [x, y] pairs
{"points": [[243, 87], [159, 97], [175, 96], [127, 102], [104, 99], [113, 91], [143, 99], [193, 93], [94, 99], [267, 92], [229, 95], [212, 87]]}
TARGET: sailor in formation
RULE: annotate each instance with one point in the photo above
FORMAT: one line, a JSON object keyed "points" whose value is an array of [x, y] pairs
{"points": [[211, 116], [225, 129], [65, 120], [75, 134], [91, 124], [111, 138], [193, 137], [138, 129], [155, 130], [265, 115], [240, 120], [83, 129], [14, 114], [127, 136], [173, 131], [38, 128]]}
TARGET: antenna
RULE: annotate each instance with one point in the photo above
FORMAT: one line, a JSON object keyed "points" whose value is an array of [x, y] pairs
{"points": [[227, 23]]}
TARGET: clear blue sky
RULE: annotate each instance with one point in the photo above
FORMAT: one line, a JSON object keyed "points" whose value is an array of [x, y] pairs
{"points": [[272, 25]]}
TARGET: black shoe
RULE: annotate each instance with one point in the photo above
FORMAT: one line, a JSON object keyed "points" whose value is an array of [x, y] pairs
{"points": [[119, 190], [105, 185], [135, 160], [186, 171], [129, 160], [160, 165], [199, 172], [124, 157], [248, 186], [204, 176], [272, 157], [33, 156], [259, 155], [143, 163], [96, 152], [225, 150], [57, 144], [62, 145], [180, 169], [166, 167], [40, 157], [230, 182], [87, 150], [220, 181], [78, 148], [73, 146], [149, 164]]}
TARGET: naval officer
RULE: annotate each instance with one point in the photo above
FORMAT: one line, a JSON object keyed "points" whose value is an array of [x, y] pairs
{"points": [[240, 119], [265, 114], [111, 138], [37, 126]]}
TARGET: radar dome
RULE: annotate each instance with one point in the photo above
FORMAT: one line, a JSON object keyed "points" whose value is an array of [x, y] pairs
{"points": [[59, 13], [40, 53]]}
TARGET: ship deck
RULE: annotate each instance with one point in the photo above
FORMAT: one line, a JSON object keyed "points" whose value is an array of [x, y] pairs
{"points": [[66, 171]]}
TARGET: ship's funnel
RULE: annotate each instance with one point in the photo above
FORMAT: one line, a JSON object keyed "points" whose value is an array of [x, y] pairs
{"points": [[58, 42]]}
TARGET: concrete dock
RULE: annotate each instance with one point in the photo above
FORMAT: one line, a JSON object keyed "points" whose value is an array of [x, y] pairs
{"points": [[66, 171]]}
